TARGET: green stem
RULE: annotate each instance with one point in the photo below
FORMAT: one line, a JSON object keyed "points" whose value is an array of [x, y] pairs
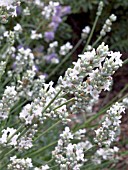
{"points": [[17, 131], [65, 59], [50, 128], [91, 34], [108, 105], [21, 104], [4, 48], [48, 68], [14, 124], [51, 102], [12, 111], [56, 122], [98, 39], [29, 26], [23, 132], [40, 150], [54, 166], [11, 151], [98, 114], [49, 161], [124, 153], [5, 82], [8, 153], [68, 101], [25, 129], [118, 95], [125, 61]]}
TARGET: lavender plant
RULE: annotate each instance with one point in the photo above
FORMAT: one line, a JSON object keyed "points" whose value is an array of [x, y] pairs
{"points": [[36, 129]]}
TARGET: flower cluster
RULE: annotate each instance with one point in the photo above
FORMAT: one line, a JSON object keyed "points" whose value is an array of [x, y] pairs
{"points": [[55, 12], [110, 128], [65, 48], [104, 154], [20, 163], [107, 26], [34, 111], [6, 3], [8, 137], [69, 155], [98, 65], [9, 9], [7, 102], [24, 164], [85, 32]]}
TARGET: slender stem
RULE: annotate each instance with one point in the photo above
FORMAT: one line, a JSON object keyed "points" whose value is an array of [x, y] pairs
{"points": [[14, 124], [118, 95], [4, 48], [25, 129], [91, 34], [65, 59], [98, 114], [98, 39], [5, 82], [11, 151], [48, 68], [124, 153], [114, 99], [125, 61], [54, 166], [12, 111], [56, 122], [3, 152], [4, 165], [105, 108], [21, 104], [51, 127], [23, 132], [49, 161], [68, 101], [17, 131], [8, 153], [29, 26], [41, 149], [51, 101]]}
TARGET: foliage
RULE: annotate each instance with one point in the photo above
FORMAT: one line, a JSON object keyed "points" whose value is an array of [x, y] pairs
{"points": [[118, 38], [53, 125]]}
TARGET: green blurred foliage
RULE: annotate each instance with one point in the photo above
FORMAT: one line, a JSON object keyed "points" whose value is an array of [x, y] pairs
{"points": [[118, 38]]}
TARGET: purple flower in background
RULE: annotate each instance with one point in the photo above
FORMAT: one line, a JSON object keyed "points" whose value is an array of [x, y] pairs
{"points": [[65, 10], [38, 51], [20, 46], [49, 36], [45, 75], [14, 66], [61, 11], [58, 10], [18, 10], [52, 58], [35, 68], [53, 26], [39, 48], [56, 19]]}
